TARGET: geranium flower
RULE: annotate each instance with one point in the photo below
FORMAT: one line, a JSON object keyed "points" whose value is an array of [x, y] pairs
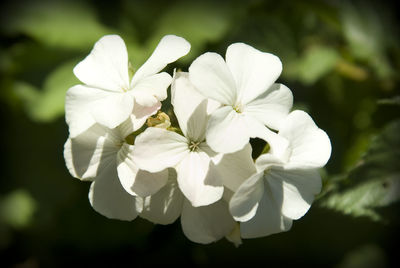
{"points": [[103, 155], [244, 85], [201, 173], [108, 96], [284, 187], [203, 225]]}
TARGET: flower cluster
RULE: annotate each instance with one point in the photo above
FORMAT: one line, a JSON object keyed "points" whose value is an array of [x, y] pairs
{"points": [[202, 170]]}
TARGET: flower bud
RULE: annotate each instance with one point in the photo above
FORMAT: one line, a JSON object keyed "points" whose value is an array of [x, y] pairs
{"points": [[161, 121]]}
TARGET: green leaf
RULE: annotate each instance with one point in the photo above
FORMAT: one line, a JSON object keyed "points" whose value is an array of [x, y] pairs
{"points": [[374, 182], [365, 28], [369, 255], [61, 24], [48, 104], [364, 198], [392, 101], [315, 63], [199, 23], [361, 28], [17, 208]]}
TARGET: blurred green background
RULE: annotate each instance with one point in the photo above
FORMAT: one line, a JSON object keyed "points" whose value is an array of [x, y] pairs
{"points": [[341, 59]]}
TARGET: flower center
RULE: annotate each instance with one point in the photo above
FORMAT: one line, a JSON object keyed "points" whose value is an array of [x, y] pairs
{"points": [[238, 108], [193, 146]]}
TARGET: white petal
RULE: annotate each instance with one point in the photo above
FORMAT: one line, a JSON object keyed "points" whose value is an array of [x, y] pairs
{"points": [[108, 197], [212, 105], [126, 169], [185, 99], [236, 167], [197, 123], [254, 71], [78, 102], [165, 206], [198, 180], [245, 201], [268, 160], [227, 131], [272, 107], [138, 182], [126, 128], [169, 49], [268, 218], [85, 105], [113, 109], [212, 78], [141, 113], [151, 89], [157, 149], [135, 121], [106, 67], [84, 153], [311, 147], [298, 188], [206, 224]]}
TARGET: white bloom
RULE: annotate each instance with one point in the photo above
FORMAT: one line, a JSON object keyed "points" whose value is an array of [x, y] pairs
{"points": [[203, 225], [103, 156], [201, 173], [108, 97], [284, 187], [244, 85]]}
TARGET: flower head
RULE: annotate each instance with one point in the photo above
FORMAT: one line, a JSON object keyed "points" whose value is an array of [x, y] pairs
{"points": [[284, 186], [203, 224], [244, 85], [200, 171], [103, 156], [108, 96]]}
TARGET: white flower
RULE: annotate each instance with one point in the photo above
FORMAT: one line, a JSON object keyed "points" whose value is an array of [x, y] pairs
{"points": [[108, 97], [244, 85], [201, 173], [284, 187], [103, 156], [203, 225]]}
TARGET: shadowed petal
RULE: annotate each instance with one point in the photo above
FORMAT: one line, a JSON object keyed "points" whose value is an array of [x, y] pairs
{"points": [[198, 179], [108, 197], [206, 224], [299, 189], [236, 167], [88, 152], [165, 206], [245, 201], [138, 182], [268, 218]]}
